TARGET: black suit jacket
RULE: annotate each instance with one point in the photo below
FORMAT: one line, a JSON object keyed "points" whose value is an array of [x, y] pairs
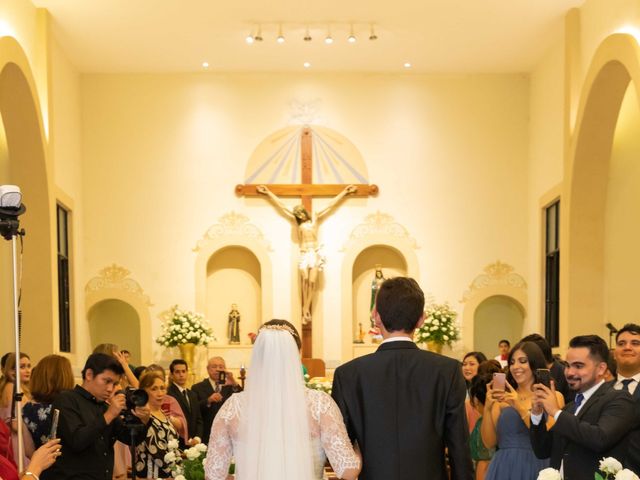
{"points": [[203, 391], [404, 406], [632, 458], [599, 430], [191, 410]]}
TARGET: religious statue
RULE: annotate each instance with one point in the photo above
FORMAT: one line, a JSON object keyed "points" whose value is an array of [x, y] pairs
{"points": [[360, 338], [375, 286], [233, 325], [311, 259]]}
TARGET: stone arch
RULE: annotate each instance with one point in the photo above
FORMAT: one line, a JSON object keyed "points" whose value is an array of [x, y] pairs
{"points": [[29, 168], [614, 66]]}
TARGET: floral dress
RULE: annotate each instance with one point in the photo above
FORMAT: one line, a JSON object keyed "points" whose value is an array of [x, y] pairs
{"points": [[150, 462], [37, 418]]}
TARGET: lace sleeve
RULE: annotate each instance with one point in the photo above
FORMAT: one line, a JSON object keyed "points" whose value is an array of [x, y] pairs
{"points": [[220, 447], [333, 435]]}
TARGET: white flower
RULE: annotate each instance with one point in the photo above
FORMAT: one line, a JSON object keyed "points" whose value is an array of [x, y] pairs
{"points": [[610, 465], [181, 477], [626, 474], [445, 337], [201, 447], [549, 474], [197, 439], [169, 457], [192, 453], [173, 444]]}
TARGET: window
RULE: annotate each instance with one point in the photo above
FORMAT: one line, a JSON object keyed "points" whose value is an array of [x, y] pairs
{"points": [[552, 274], [64, 305]]}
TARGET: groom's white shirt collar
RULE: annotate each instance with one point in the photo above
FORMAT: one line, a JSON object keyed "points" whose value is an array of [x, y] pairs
{"points": [[397, 339]]}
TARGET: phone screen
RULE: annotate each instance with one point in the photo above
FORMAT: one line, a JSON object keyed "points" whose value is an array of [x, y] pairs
{"points": [[499, 380], [222, 377], [543, 376], [54, 424]]}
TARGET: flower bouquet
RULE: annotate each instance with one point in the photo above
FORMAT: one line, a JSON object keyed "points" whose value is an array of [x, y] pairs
{"points": [[181, 327], [439, 327], [187, 465], [610, 469], [318, 383]]}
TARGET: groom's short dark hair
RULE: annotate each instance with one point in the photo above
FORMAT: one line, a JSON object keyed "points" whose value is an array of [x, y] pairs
{"points": [[400, 304]]}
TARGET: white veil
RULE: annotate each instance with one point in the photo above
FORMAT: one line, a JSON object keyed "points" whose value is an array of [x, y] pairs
{"points": [[274, 427]]}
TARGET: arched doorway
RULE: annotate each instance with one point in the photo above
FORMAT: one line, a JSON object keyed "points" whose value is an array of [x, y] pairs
{"points": [[614, 68], [115, 321], [496, 318], [23, 162]]}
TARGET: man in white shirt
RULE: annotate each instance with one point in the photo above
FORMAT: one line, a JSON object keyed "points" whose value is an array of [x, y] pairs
{"points": [[503, 346], [595, 425], [627, 355]]}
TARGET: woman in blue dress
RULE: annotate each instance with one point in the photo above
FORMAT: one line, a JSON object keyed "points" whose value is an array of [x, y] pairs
{"points": [[508, 416]]}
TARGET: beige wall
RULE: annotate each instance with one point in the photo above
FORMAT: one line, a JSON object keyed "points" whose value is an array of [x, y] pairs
{"points": [[163, 153]]}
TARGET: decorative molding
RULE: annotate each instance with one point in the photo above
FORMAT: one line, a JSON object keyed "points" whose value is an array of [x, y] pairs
{"points": [[495, 274], [116, 277], [232, 224], [376, 224]]}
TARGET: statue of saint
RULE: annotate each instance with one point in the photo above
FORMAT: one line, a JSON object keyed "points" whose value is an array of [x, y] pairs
{"points": [[233, 325], [375, 286], [311, 259]]}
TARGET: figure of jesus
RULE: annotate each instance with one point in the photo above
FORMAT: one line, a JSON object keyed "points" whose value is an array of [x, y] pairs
{"points": [[311, 260]]}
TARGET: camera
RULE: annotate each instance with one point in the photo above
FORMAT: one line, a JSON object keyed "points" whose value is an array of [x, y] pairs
{"points": [[135, 397]]}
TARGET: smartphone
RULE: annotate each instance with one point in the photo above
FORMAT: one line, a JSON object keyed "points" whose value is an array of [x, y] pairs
{"points": [[543, 376], [499, 380], [165, 408], [54, 424], [222, 378]]}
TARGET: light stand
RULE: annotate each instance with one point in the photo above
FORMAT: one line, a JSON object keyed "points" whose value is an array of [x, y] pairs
{"points": [[10, 229], [612, 331]]}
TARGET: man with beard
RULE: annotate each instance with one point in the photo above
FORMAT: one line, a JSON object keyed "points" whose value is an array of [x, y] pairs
{"points": [[595, 425], [627, 354]]}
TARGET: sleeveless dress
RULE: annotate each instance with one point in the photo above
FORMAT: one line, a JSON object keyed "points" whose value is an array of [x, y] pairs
{"points": [[328, 436], [151, 452], [514, 459]]}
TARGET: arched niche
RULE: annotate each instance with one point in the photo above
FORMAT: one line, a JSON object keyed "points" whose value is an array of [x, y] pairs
{"points": [[113, 289], [233, 277], [393, 264], [498, 281], [234, 248], [379, 233], [495, 318], [115, 321], [26, 165], [615, 65]]}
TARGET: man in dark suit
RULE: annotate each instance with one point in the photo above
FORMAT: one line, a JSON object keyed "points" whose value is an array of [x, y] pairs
{"points": [[595, 425], [188, 400], [213, 391], [404, 406], [627, 355]]}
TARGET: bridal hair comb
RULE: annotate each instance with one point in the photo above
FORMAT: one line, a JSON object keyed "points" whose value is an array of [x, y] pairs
{"points": [[284, 327]]}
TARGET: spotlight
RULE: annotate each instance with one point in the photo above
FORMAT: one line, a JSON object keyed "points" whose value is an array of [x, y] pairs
{"points": [[306, 64], [351, 38], [280, 38], [258, 36], [249, 39], [328, 39], [372, 35], [307, 36], [407, 65], [205, 65]]}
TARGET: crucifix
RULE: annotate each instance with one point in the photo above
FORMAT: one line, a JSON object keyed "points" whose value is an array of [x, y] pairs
{"points": [[311, 259]]}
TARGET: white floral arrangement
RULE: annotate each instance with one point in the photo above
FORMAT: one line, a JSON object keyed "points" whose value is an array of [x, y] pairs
{"points": [[181, 326], [187, 465], [439, 325], [610, 469], [318, 383]]}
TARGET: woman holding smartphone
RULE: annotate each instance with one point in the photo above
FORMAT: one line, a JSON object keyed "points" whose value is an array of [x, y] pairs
{"points": [[507, 416], [162, 429]]}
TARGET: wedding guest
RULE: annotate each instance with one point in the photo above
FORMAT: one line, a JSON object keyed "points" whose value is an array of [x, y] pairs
{"points": [[502, 357], [595, 425], [171, 405], [627, 354], [161, 430], [187, 398], [51, 375], [278, 428], [128, 379], [555, 365], [7, 408], [480, 454], [470, 364], [213, 391], [507, 417], [403, 405]]}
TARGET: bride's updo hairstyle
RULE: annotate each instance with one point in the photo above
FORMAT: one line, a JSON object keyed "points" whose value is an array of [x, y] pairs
{"points": [[277, 324]]}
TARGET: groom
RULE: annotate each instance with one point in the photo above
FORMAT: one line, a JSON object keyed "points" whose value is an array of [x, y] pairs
{"points": [[404, 406]]}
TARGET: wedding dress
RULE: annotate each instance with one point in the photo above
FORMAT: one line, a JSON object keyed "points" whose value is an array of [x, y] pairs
{"points": [[278, 429], [328, 437]]}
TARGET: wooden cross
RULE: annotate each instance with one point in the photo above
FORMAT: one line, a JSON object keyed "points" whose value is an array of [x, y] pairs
{"points": [[307, 190]]}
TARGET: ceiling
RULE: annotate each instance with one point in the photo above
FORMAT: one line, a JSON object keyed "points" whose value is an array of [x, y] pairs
{"points": [[435, 36]]}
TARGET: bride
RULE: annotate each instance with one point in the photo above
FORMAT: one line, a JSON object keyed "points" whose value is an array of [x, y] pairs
{"points": [[277, 429]]}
